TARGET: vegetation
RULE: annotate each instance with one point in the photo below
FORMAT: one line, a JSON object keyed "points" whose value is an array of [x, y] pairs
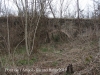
{"points": [[32, 38]]}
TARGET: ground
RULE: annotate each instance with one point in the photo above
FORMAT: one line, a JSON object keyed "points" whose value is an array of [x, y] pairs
{"points": [[80, 53]]}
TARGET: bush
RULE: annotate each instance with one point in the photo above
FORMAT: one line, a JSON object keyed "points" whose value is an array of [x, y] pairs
{"points": [[56, 38]]}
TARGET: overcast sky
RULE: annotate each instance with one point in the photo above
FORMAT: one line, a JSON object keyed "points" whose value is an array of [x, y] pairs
{"points": [[83, 4], [56, 3]]}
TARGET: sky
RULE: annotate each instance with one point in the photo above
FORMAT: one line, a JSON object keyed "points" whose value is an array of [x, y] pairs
{"points": [[72, 7], [56, 4]]}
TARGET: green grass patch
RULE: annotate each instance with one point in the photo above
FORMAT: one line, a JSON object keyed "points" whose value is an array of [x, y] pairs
{"points": [[25, 62], [34, 60], [44, 49], [22, 62], [88, 59], [21, 50], [54, 63], [3, 59]]}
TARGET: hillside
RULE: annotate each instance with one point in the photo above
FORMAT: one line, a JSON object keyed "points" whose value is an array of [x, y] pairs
{"points": [[57, 44]]}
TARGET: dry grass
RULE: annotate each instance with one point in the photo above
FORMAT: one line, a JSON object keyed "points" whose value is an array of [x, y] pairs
{"points": [[81, 53]]}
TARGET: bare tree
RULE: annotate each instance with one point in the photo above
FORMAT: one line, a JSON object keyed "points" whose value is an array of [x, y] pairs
{"points": [[31, 24], [26, 27], [61, 8], [51, 8], [78, 9], [8, 32], [0, 5]]}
